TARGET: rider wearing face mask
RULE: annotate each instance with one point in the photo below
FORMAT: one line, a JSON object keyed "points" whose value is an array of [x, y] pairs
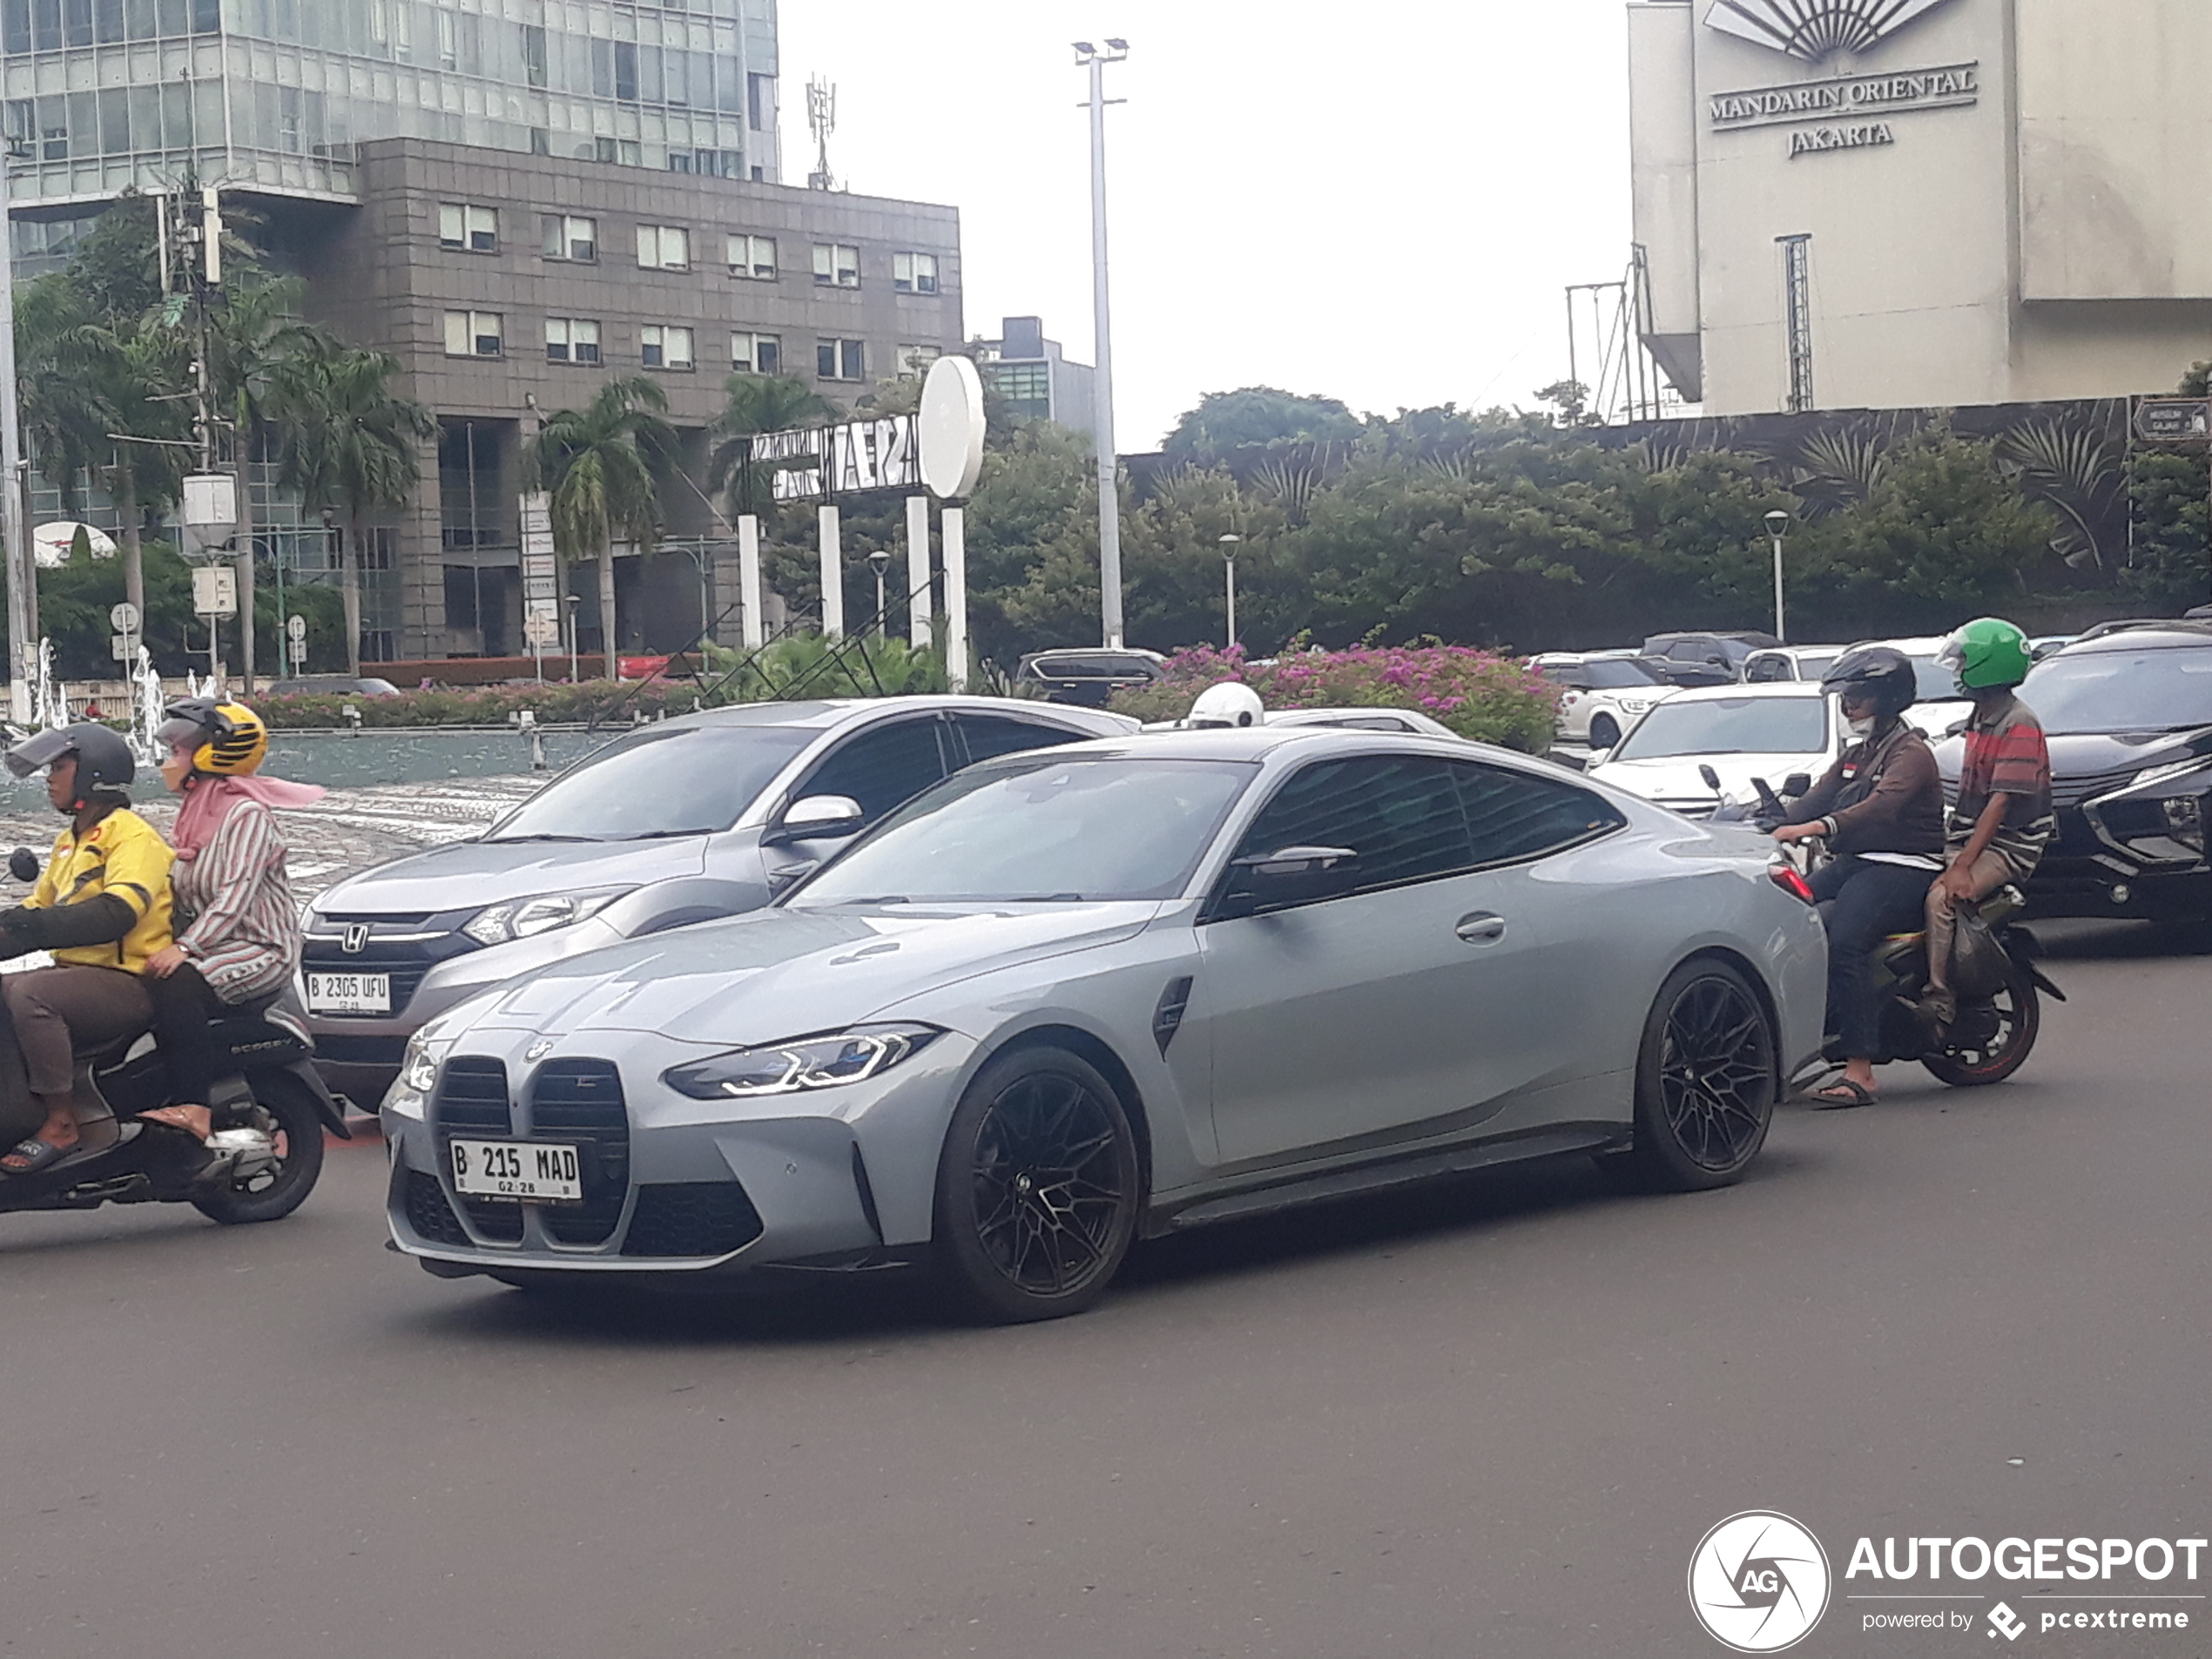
{"points": [[1881, 807]]}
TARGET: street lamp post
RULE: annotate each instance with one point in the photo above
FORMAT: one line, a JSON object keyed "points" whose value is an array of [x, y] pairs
{"points": [[880, 562], [1109, 509], [1229, 546], [1778, 525], [575, 673]]}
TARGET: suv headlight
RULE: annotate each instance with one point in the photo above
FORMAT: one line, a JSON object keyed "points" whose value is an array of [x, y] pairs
{"points": [[500, 924], [409, 1095], [803, 1064]]}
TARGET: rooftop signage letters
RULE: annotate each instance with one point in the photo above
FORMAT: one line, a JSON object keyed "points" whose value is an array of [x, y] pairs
{"points": [[1816, 30]]}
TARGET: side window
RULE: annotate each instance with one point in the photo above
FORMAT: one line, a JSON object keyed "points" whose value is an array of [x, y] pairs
{"points": [[1512, 816], [989, 736], [1764, 671], [884, 767], [1400, 814]]}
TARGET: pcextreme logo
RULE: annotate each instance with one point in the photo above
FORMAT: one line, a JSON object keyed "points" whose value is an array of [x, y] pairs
{"points": [[1759, 1582]]}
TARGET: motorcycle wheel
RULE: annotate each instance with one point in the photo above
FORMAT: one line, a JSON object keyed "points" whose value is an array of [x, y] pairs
{"points": [[1991, 1040], [271, 1195]]}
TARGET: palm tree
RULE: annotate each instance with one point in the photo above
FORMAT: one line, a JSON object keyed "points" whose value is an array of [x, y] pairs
{"points": [[759, 403], [348, 442], [601, 465]]}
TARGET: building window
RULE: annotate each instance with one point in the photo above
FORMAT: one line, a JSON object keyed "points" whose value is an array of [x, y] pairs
{"points": [[663, 247], [667, 347], [534, 60], [474, 333], [756, 354], [571, 339], [752, 256], [836, 266], [463, 225], [915, 272], [376, 646], [380, 549], [840, 360], [1026, 388], [569, 237], [914, 360]]}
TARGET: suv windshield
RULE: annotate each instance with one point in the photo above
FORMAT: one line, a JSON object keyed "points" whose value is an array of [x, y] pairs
{"points": [[2134, 691], [1040, 829], [1729, 725], [680, 780], [1615, 674]]}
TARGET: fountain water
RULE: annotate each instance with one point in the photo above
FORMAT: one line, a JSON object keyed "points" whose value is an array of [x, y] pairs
{"points": [[49, 708], [146, 704]]}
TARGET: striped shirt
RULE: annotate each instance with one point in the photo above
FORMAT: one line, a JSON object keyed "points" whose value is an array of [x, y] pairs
{"points": [[237, 920]]}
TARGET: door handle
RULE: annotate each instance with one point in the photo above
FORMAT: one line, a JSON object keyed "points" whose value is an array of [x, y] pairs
{"points": [[1482, 928]]}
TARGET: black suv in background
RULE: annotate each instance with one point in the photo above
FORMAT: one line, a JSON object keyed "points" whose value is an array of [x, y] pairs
{"points": [[2128, 713], [1703, 659]]}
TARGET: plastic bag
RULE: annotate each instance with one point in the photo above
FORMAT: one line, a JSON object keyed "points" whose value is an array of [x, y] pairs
{"points": [[1980, 968]]}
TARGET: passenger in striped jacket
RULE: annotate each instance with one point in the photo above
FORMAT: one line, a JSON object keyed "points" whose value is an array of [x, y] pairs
{"points": [[237, 927]]}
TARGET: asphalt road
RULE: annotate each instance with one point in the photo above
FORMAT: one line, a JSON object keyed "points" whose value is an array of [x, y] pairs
{"points": [[1492, 1420]]}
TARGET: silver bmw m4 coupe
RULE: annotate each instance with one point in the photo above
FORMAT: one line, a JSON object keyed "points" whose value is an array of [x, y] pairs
{"points": [[1070, 999]]}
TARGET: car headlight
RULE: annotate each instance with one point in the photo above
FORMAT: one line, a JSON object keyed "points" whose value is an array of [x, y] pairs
{"points": [[522, 918], [2185, 821], [409, 1095], [802, 1065], [2171, 769]]}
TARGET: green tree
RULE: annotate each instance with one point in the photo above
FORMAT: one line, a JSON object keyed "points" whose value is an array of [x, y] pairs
{"points": [[601, 465], [350, 442], [2169, 568], [1238, 429]]}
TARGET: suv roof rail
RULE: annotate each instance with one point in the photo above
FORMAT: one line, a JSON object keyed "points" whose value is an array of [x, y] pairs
{"points": [[2149, 625]]}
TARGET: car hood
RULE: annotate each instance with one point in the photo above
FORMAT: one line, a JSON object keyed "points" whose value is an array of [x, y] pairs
{"points": [[2099, 754], [467, 874], [1675, 777], [778, 974]]}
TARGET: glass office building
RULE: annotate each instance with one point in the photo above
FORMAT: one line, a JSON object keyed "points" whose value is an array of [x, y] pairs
{"points": [[271, 96]]}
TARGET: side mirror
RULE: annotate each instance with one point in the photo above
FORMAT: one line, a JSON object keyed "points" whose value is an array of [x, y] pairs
{"points": [[22, 864], [1598, 758], [1798, 783], [783, 879], [1292, 861], [1712, 778], [818, 818]]}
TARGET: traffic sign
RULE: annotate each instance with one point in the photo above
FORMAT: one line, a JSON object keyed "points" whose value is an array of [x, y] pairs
{"points": [[123, 647], [2175, 420], [214, 591], [297, 627], [541, 630], [125, 617]]}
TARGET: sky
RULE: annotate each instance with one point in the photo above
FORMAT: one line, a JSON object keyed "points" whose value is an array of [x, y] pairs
{"points": [[1380, 200]]}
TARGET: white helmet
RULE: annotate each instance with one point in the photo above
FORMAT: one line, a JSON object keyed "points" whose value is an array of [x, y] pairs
{"points": [[1230, 705]]}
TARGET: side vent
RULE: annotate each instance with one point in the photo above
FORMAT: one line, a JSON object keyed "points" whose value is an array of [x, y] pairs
{"points": [[1167, 1019]]}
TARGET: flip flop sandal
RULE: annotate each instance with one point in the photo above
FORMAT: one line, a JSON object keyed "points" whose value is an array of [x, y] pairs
{"points": [[1843, 1095], [29, 1158]]}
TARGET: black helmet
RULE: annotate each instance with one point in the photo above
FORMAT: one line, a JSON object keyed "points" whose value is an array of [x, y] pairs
{"points": [[105, 763], [1875, 672]]}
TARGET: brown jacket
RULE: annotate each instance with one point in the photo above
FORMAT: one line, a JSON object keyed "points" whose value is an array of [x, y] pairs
{"points": [[1896, 794]]}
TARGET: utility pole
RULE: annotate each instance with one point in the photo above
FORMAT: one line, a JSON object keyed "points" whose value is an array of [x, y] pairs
{"points": [[15, 544], [1110, 506]]}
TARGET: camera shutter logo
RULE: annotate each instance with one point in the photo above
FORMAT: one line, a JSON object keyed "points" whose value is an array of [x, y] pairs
{"points": [[1759, 1582]]}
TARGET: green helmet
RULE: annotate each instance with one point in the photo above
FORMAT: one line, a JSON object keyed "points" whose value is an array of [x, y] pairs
{"points": [[1987, 655]]}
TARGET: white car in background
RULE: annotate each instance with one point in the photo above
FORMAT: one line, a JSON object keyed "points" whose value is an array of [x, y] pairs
{"points": [[1941, 706], [1741, 731], [1780, 662], [1605, 694]]}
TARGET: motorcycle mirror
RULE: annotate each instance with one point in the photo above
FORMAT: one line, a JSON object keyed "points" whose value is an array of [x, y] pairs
{"points": [[1798, 783], [22, 864], [1712, 778]]}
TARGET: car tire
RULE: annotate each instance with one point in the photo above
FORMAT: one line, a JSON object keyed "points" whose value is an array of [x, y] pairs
{"points": [[1605, 733], [1038, 1189], [1706, 1082]]}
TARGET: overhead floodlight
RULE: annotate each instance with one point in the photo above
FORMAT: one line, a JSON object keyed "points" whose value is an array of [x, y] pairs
{"points": [[1121, 46], [1086, 48]]}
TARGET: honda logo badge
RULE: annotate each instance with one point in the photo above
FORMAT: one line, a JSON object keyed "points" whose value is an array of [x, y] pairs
{"points": [[356, 938]]}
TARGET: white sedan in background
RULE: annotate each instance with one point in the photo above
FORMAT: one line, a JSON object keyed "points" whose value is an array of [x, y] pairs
{"points": [[1604, 695], [1941, 706], [1741, 731]]}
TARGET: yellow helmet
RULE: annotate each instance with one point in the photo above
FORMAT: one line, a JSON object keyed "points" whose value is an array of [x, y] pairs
{"points": [[232, 741]]}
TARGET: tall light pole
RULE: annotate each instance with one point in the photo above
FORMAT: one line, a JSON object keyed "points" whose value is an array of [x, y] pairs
{"points": [[1110, 507], [880, 562], [1777, 526], [1229, 546], [15, 544]]}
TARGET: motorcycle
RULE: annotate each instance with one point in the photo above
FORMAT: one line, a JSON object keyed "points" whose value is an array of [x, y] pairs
{"points": [[1999, 988], [262, 1164]]}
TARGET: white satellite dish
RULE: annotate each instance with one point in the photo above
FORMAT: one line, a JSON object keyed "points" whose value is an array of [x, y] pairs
{"points": [[51, 544], [952, 428]]}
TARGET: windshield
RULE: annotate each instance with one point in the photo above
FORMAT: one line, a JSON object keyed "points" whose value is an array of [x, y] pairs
{"points": [[1618, 674], [1729, 725], [685, 780], [2145, 691], [1038, 829]]}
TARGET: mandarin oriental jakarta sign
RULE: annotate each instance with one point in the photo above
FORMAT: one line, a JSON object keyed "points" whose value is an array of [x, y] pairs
{"points": [[1862, 97]]}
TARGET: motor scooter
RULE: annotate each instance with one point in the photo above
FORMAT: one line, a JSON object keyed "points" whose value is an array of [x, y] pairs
{"points": [[259, 1166], [2000, 991]]}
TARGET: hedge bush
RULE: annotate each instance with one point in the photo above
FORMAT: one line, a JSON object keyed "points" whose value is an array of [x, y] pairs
{"points": [[1477, 693]]}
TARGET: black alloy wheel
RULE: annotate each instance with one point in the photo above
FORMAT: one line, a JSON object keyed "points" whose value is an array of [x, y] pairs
{"points": [[1706, 1081], [1037, 1189], [1991, 1040], [275, 1190]]}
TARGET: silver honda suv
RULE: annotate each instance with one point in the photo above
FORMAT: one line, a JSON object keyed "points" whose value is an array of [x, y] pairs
{"points": [[709, 815]]}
